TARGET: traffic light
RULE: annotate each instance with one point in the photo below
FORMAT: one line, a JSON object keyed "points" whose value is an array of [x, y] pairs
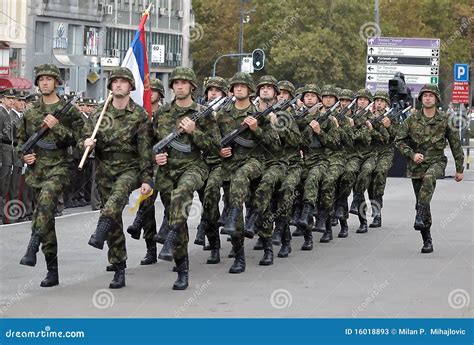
{"points": [[258, 59]]}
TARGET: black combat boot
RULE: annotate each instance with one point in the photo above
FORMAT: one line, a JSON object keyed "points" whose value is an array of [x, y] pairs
{"points": [[363, 225], [321, 221], [296, 215], [285, 248], [306, 216], [215, 243], [334, 221], [231, 253], [281, 223], [29, 259], [166, 252], [341, 208], [119, 276], [356, 202], [258, 245], [327, 236], [344, 229], [267, 258], [182, 267], [201, 233], [422, 215], [427, 241], [239, 261], [98, 238], [230, 226], [376, 212], [160, 237], [308, 241], [52, 277], [150, 256], [135, 228], [251, 224], [298, 232]]}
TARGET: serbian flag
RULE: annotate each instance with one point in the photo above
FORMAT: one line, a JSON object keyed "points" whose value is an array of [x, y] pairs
{"points": [[136, 60]]}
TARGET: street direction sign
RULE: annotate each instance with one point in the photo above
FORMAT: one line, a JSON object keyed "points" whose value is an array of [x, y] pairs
{"points": [[417, 58]]}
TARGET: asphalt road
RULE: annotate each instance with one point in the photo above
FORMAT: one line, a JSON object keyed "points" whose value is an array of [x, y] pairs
{"points": [[378, 274]]}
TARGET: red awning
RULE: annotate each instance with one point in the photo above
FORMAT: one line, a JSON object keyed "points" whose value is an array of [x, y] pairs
{"points": [[14, 82]]}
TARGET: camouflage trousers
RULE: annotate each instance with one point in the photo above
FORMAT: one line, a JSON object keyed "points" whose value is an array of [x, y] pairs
{"points": [[379, 176], [315, 174], [210, 195], [114, 189], [182, 184], [45, 201], [289, 192], [424, 187], [328, 188], [365, 174], [240, 186], [349, 176]]}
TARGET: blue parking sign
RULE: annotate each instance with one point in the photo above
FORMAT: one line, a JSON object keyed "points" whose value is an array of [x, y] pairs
{"points": [[461, 72]]}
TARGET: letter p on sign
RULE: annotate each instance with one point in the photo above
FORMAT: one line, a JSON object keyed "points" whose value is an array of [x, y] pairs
{"points": [[461, 72]]}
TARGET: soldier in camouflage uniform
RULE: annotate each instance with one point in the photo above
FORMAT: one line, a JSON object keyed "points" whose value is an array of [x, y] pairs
{"points": [[210, 194], [275, 166], [384, 159], [243, 161], [124, 163], [288, 190], [321, 139], [182, 166], [379, 139], [422, 140], [356, 155], [48, 166], [145, 217]]}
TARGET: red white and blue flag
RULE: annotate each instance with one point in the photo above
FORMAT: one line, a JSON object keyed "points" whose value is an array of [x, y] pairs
{"points": [[136, 60]]}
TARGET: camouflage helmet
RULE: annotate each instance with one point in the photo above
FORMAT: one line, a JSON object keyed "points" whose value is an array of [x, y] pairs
{"points": [[242, 78], [157, 85], [382, 95], [121, 72], [299, 90], [183, 73], [47, 69], [311, 88], [287, 86], [346, 94], [268, 80], [218, 82], [328, 90], [364, 93], [433, 88]]}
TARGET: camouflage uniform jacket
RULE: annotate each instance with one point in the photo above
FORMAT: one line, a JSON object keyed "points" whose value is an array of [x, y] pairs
{"points": [[51, 151]]}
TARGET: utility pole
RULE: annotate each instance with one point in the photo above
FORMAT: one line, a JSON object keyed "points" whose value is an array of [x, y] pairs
{"points": [[377, 16], [241, 34]]}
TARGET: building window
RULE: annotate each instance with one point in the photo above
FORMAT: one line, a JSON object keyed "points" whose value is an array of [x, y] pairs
{"points": [[91, 39], [40, 30], [75, 40]]}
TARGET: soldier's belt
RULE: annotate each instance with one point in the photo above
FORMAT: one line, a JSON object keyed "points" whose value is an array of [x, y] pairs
{"points": [[433, 153], [52, 153], [115, 155], [9, 142]]}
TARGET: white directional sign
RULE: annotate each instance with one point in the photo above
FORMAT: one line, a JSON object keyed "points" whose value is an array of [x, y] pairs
{"points": [[417, 58]]}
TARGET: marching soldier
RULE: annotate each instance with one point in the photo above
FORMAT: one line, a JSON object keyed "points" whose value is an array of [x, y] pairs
{"points": [[122, 148], [48, 166], [145, 217], [243, 161], [210, 194], [182, 169], [422, 140]]}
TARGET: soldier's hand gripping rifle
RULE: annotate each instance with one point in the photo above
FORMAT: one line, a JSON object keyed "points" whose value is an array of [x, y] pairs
{"points": [[362, 112], [279, 106], [44, 129], [307, 111], [342, 114], [323, 117], [392, 116], [167, 141]]}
